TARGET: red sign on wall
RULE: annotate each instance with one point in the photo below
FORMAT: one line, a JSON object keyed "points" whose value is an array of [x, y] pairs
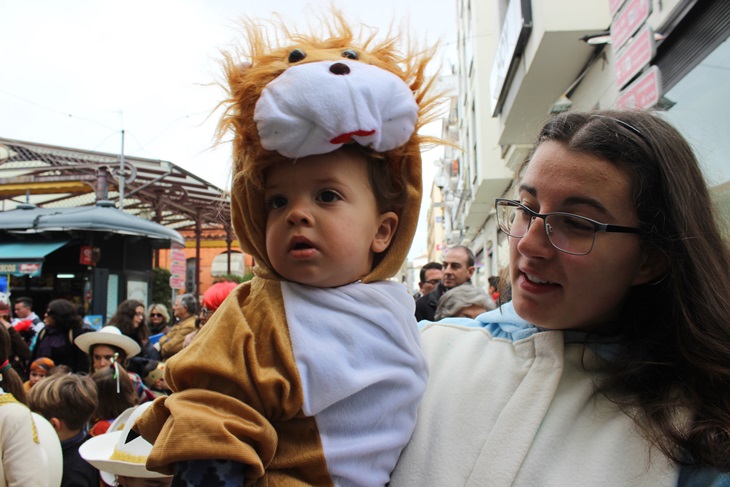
{"points": [[628, 21], [177, 282], [642, 93], [637, 54]]}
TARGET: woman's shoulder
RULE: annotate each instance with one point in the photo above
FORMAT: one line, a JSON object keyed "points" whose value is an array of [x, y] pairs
{"points": [[692, 476], [502, 322]]}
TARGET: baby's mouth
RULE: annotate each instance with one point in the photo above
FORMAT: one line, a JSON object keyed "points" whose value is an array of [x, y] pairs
{"points": [[300, 243]]}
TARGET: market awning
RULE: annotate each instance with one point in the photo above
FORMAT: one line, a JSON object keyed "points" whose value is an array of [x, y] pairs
{"points": [[102, 217], [26, 258]]}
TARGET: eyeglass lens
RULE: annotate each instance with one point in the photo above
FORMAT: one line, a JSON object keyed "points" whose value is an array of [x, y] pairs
{"points": [[155, 315], [566, 232]]}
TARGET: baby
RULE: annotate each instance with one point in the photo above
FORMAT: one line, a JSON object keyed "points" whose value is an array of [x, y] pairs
{"points": [[311, 373]]}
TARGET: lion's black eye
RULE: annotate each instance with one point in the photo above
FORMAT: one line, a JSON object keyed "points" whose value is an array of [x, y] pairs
{"points": [[296, 55], [349, 54]]}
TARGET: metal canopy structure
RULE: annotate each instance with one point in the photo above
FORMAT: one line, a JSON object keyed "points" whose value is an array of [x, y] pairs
{"points": [[27, 219], [57, 177]]}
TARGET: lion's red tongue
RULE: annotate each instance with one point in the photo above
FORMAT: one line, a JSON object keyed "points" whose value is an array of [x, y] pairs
{"points": [[345, 138]]}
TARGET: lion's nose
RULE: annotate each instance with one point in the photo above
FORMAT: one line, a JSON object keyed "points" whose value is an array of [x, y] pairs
{"points": [[340, 68]]}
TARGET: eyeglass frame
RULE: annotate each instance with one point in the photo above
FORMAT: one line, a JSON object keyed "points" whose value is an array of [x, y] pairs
{"points": [[597, 226]]}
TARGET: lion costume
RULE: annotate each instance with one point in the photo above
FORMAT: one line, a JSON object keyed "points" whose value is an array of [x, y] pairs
{"points": [[304, 385]]}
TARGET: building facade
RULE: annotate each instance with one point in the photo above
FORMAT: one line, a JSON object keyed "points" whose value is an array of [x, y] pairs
{"points": [[521, 61]]}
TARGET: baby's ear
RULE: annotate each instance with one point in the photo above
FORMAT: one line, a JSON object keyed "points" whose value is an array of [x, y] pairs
{"points": [[386, 231]]}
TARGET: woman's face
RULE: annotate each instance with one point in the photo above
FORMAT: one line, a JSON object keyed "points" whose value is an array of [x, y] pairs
{"points": [[102, 356], [555, 290], [138, 316], [156, 317], [48, 319]]}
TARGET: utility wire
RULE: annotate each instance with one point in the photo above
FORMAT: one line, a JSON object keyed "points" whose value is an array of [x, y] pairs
{"points": [[70, 115]]}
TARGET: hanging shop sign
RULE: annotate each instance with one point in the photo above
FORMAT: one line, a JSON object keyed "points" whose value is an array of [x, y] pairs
{"points": [[630, 19], [637, 54], [614, 6], [642, 93]]}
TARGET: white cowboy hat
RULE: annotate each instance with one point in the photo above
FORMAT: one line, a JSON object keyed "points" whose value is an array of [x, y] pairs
{"points": [[114, 453], [108, 335]]}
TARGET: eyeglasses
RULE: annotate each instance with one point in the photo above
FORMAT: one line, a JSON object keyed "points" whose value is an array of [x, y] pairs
{"points": [[433, 282], [569, 233], [155, 315], [204, 312]]}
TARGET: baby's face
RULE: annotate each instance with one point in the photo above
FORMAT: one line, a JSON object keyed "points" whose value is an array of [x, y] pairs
{"points": [[323, 226]]}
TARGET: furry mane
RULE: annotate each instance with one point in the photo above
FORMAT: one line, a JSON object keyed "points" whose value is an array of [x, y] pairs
{"points": [[266, 57]]}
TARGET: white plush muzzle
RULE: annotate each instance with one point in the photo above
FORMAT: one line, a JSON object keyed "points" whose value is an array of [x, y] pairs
{"points": [[315, 108]]}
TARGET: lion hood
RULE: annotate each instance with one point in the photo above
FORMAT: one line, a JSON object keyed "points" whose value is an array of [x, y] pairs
{"points": [[311, 95]]}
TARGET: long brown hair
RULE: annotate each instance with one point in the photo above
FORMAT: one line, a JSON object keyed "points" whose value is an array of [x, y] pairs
{"points": [[124, 320], [11, 381], [673, 371], [112, 403]]}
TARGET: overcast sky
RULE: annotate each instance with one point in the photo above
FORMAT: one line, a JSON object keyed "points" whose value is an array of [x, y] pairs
{"points": [[74, 73]]}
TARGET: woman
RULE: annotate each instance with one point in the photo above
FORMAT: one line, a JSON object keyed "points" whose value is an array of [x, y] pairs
{"points": [[611, 364], [109, 346], [158, 318], [19, 352], [129, 318], [55, 341], [465, 301]]}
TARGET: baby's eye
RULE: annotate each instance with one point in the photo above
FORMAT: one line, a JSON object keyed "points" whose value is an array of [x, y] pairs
{"points": [[276, 202], [349, 54], [328, 196]]}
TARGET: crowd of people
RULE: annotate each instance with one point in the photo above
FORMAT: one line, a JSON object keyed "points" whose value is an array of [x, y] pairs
{"points": [[79, 381], [446, 290]]}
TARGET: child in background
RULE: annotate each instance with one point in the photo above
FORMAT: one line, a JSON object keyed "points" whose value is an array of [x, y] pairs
{"points": [[68, 401], [311, 373], [116, 393], [39, 368]]}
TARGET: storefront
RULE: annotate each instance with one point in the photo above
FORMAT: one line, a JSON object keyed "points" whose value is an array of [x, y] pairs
{"points": [[94, 256], [695, 64]]}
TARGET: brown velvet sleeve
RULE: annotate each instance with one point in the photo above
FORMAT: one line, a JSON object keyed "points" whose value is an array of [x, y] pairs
{"points": [[236, 379]]}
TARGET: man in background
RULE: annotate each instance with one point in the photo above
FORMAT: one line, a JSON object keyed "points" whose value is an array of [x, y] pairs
{"points": [[430, 276], [26, 322], [458, 267], [185, 310]]}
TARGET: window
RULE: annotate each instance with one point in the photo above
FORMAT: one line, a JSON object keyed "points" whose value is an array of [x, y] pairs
{"points": [[220, 264]]}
